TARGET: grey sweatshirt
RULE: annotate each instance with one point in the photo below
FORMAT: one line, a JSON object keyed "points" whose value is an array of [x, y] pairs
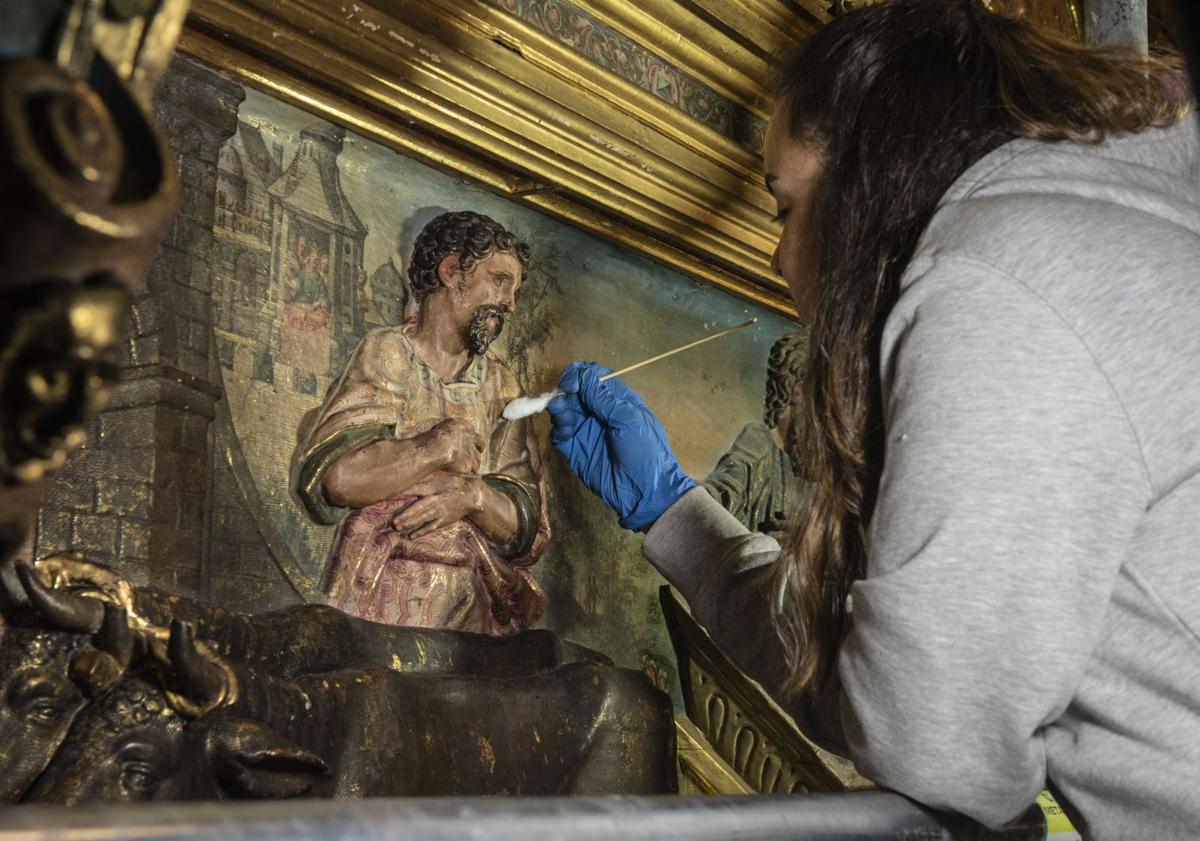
{"points": [[1031, 609]]}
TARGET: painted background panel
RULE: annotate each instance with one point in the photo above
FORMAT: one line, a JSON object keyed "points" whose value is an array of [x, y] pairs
{"points": [[313, 231]]}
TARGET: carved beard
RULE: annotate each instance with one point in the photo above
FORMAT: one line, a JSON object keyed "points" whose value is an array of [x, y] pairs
{"points": [[479, 334]]}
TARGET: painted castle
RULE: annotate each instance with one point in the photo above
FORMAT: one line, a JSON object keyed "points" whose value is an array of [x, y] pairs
{"points": [[291, 300], [288, 252]]}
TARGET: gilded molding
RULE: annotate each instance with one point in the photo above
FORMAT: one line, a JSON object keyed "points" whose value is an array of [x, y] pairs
{"points": [[607, 97], [469, 88], [701, 768], [747, 729], [1065, 16], [648, 58], [733, 59]]}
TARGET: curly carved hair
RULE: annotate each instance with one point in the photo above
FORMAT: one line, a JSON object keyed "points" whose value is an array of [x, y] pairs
{"points": [[785, 371], [37, 647], [470, 235]]}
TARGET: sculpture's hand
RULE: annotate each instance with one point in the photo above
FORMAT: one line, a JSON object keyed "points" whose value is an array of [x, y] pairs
{"points": [[459, 444], [616, 445], [445, 498]]}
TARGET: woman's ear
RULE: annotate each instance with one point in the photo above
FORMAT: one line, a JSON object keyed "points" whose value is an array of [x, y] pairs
{"points": [[449, 272]]}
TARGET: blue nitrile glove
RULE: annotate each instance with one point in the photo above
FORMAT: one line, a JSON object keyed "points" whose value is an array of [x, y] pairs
{"points": [[616, 445]]}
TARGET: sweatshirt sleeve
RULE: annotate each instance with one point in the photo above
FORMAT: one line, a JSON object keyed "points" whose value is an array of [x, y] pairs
{"points": [[1012, 487], [724, 572], [708, 555]]}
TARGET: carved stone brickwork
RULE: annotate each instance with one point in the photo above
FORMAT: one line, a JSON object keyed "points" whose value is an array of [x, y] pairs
{"points": [[141, 494], [242, 571]]}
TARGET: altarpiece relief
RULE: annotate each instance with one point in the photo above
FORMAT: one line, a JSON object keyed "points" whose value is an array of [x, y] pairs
{"points": [[314, 240]]}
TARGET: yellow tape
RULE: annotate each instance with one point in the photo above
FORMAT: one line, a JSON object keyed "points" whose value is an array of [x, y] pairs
{"points": [[1058, 825]]}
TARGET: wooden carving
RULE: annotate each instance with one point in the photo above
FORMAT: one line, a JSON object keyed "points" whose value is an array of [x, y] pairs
{"points": [[745, 728]]}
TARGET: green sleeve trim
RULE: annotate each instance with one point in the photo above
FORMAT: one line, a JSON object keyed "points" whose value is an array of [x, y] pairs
{"points": [[309, 484], [527, 515]]}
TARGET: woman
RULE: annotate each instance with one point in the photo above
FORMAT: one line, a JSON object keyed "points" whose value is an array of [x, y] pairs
{"points": [[995, 237]]}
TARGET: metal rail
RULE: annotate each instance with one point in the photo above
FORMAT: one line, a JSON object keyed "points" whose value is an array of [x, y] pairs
{"points": [[858, 816]]}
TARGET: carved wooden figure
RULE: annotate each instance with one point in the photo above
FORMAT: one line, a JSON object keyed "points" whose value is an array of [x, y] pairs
{"points": [[441, 501], [755, 479]]}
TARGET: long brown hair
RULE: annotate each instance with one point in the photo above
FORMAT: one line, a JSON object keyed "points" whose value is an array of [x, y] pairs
{"points": [[900, 99]]}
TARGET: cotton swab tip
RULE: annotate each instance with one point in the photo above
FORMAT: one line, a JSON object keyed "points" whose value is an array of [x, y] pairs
{"points": [[523, 407]]}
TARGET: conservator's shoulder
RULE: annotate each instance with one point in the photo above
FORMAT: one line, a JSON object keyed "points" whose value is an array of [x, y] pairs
{"points": [[1035, 208]]}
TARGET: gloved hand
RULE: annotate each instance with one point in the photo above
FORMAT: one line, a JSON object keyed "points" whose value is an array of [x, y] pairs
{"points": [[616, 445]]}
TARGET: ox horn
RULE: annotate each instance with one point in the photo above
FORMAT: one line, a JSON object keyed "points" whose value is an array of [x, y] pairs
{"points": [[115, 637], [94, 671], [97, 669], [202, 682], [67, 611], [13, 594]]}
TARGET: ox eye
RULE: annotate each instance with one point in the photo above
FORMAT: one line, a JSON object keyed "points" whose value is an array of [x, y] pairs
{"points": [[45, 711], [138, 778]]}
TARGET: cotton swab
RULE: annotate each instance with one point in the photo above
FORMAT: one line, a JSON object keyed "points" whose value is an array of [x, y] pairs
{"points": [[523, 407]]}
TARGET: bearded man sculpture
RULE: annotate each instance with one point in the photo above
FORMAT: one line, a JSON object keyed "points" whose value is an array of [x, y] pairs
{"points": [[441, 501]]}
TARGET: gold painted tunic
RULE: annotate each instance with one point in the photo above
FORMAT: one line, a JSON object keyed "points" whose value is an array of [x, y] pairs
{"points": [[454, 577]]}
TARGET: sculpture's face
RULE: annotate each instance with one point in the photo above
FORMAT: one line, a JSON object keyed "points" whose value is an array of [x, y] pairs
{"points": [[783, 429], [38, 701], [485, 296], [60, 363]]}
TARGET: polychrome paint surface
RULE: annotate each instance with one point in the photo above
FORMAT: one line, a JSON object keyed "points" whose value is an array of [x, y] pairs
{"points": [[303, 266]]}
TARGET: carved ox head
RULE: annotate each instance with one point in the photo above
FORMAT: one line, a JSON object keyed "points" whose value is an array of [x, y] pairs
{"points": [[133, 743], [38, 701], [48, 670]]}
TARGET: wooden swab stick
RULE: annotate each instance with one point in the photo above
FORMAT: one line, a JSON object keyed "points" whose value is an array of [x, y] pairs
{"points": [[679, 349], [523, 407]]}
